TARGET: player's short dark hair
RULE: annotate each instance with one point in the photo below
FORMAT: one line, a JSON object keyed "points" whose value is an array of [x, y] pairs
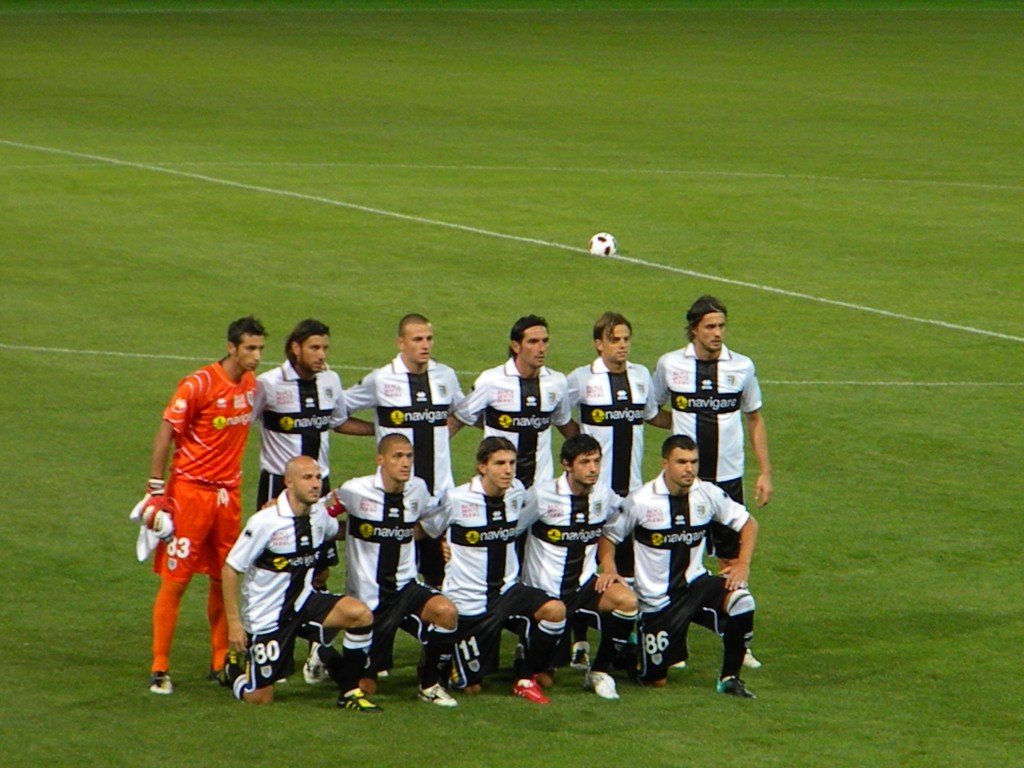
{"points": [[606, 323], [705, 305], [245, 326], [388, 439], [578, 445], [490, 446], [412, 318], [672, 442], [301, 332], [519, 329]]}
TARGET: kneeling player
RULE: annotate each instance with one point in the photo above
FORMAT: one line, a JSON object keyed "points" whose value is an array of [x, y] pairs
{"points": [[380, 564], [670, 518], [277, 554], [480, 521], [565, 518]]}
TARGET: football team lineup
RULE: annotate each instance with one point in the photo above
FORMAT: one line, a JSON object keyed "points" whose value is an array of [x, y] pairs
{"points": [[516, 238]]}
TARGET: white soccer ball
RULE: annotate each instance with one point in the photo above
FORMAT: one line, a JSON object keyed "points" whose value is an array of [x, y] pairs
{"points": [[602, 244]]}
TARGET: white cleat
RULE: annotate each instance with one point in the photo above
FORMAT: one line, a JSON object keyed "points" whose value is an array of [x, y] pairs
{"points": [[437, 696], [160, 682], [750, 662], [314, 670], [580, 655], [600, 683], [679, 665]]}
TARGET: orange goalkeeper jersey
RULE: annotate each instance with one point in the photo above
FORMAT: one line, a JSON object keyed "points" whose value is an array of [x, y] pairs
{"points": [[210, 415]]}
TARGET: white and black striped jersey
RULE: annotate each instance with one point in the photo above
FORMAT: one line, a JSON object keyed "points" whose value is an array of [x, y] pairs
{"points": [[481, 531], [708, 398], [561, 547], [522, 410], [278, 553], [670, 534], [380, 555], [415, 405], [296, 416], [613, 408]]}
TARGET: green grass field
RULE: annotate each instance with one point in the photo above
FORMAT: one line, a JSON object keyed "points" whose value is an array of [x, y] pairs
{"points": [[846, 176]]}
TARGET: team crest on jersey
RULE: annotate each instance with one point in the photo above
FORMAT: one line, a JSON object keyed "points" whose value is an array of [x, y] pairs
{"points": [[442, 390], [239, 401], [550, 397], [414, 507], [641, 390], [732, 379], [329, 393], [702, 512], [504, 396], [392, 390], [266, 670]]}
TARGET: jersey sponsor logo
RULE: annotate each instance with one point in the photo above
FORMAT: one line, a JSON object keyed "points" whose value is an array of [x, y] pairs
{"points": [[510, 422], [689, 537], [706, 404], [222, 422], [406, 417], [481, 537], [610, 416], [504, 396], [285, 397], [376, 533], [566, 536], [293, 563]]}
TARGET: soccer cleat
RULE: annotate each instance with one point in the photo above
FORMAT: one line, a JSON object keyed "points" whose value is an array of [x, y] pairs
{"points": [[234, 668], [356, 700], [528, 689], [437, 696], [160, 682], [750, 662], [600, 683], [314, 671], [679, 665], [580, 655], [733, 686]]}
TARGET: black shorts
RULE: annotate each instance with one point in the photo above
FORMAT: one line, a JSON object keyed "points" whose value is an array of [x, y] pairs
{"points": [[478, 639], [269, 655], [663, 633], [401, 610], [725, 542]]}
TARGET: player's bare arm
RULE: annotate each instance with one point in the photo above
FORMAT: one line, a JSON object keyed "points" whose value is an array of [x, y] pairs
{"points": [[758, 434], [229, 586], [736, 572]]}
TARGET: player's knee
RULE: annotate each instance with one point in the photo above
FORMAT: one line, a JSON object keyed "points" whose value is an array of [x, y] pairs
{"points": [[625, 600], [552, 610], [442, 612], [739, 601], [354, 613]]}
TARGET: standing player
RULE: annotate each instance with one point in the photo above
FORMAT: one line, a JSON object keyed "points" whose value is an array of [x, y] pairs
{"points": [[708, 386], [670, 518], [520, 400], [205, 426], [277, 554], [615, 397], [565, 518], [413, 396], [298, 404], [380, 564], [480, 521]]}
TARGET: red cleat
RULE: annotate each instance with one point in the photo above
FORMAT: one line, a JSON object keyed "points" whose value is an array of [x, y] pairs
{"points": [[529, 690]]}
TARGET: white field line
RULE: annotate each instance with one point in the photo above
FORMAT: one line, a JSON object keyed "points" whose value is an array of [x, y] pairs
{"points": [[367, 369], [505, 236]]}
